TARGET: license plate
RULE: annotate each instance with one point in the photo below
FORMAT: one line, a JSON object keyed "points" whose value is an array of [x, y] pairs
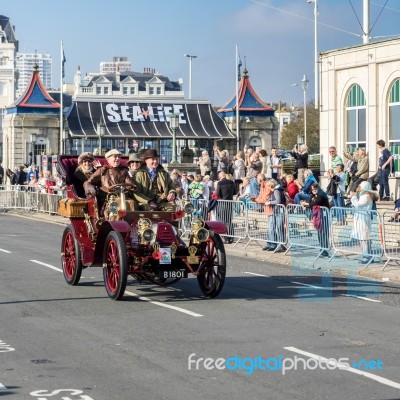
{"points": [[181, 273]]}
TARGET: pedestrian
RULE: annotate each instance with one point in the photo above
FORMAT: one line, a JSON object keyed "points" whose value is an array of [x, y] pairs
{"points": [[385, 164], [363, 201], [362, 172], [320, 216], [276, 222], [275, 164], [305, 192], [204, 163], [301, 157], [335, 158], [252, 171], [225, 191], [239, 169], [223, 161]]}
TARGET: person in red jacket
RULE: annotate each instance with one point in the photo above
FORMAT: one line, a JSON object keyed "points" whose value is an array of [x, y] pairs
{"points": [[291, 186]]}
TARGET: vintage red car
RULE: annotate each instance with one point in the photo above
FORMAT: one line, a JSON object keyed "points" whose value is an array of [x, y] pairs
{"points": [[146, 245]]}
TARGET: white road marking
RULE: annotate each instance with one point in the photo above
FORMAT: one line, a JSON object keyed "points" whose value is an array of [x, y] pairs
{"points": [[157, 303], [341, 294], [252, 273], [2, 387], [5, 251], [376, 378], [182, 310], [47, 265]]}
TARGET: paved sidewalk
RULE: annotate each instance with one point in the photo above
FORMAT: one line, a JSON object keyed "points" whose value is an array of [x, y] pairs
{"points": [[299, 261]]}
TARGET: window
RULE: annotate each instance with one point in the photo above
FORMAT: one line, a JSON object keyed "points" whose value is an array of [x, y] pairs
{"points": [[98, 90], [133, 91], [394, 123], [106, 90], [158, 90], [151, 90], [356, 118], [125, 90]]}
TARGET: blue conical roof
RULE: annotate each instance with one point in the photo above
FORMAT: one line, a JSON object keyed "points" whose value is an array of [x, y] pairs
{"points": [[250, 103]]}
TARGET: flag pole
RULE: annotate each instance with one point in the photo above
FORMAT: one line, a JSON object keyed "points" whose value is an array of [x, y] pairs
{"points": [[237, 75], [61, 98]]}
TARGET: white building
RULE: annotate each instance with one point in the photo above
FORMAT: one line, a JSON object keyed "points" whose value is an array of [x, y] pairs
{"points": [[8, 49], [120, 64], [360, 101], [24, 64]]}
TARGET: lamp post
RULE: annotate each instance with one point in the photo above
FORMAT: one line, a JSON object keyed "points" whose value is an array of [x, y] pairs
{"points": [[174, 125], [33, 140], [304, 84], [190, 73], [316, 63], [101, 130], [280, 107]]}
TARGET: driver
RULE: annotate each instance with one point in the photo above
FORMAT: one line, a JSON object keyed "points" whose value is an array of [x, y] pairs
{"points": [[111, 173], [155, 188]]}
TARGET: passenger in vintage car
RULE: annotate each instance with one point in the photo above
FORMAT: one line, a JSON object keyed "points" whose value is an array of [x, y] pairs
{"points": [[155, 188], [110, 174]]}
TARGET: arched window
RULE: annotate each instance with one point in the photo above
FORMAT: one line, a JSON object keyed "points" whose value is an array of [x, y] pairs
{"points": [[356, 113], [394, 123]]}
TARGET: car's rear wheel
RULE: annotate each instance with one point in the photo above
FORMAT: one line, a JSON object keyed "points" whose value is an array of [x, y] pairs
{"points": [[71, 257], [115, 267], [212, 268]]}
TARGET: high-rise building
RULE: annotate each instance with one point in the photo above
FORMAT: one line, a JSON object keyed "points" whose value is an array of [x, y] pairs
{"points": [[118, 64], [25, 63]]}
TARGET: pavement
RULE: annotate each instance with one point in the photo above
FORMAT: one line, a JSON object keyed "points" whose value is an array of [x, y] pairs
{"points": [[300, 262]]}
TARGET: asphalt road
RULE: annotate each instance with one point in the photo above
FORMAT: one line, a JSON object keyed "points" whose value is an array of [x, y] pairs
{"points": [[63, 342]]}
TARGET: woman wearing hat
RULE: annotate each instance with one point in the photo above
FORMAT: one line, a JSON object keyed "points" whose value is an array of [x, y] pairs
{"points": [[133, 164], [111, 173], [155, 188], [86, 166]]}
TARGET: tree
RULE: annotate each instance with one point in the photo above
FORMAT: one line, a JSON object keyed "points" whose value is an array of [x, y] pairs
{"points": [[290, 131]]}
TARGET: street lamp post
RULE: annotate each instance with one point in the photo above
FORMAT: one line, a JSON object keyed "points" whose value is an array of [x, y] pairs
{"points": [[174, 125], [280, 107], [304, 84], [316, 62], [33, 140], [101, 130], [190, 73]]}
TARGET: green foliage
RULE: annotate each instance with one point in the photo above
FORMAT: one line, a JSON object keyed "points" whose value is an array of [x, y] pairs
{"points": [[290, 131]]}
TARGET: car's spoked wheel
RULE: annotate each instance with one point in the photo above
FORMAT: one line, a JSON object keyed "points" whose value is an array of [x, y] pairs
{"points": [[115, 270], [71, 257], [212, 268]]}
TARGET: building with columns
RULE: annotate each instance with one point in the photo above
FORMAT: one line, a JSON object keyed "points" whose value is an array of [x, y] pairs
{"points": [[8, 72], [360, 102]]}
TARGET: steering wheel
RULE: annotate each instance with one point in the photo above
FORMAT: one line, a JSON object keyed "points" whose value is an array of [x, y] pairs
{"points": [[118, 188]]}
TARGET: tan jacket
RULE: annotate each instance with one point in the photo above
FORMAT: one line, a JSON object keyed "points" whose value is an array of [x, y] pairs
{"points": [[105, 177], [143, 194]]}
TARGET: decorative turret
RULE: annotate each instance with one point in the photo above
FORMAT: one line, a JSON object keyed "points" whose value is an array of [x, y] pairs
{"points": [[250, 104]]}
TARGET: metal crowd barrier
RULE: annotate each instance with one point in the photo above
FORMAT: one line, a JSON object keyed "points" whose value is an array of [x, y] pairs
{"points": [[344, 230], [301, 232], [270, 229], [360, 233], [391, 237], [232, 214]]}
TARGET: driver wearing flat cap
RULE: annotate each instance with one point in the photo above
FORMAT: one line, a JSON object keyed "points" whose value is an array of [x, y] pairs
{"points": [[155, 188], [111, 173]]}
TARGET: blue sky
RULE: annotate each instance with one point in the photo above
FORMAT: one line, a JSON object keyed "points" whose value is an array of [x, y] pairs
{"points": [[275, 36]]}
